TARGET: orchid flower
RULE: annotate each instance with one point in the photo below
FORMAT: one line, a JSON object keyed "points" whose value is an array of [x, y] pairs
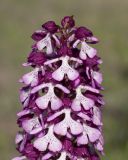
{"points": [[46, 42], [65, 68], [80, 99], [61, 114], [62, 127], [86, 50], [89, 134], [42, 102]]}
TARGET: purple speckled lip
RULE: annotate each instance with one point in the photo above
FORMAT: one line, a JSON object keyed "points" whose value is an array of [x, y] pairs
{"points": [[61, 115]]}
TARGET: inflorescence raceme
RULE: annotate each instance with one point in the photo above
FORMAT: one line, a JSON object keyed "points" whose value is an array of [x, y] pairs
{"points": [[61, 115]]}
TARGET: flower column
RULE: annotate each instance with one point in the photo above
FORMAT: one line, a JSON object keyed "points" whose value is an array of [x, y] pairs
{"points": [[61, 115]]}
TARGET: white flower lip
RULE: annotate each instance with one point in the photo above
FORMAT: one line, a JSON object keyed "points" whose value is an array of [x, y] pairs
{"points": [[62, 127], [65, 68], [85, 50], [48, 141], [87, 103], [42, 102]]}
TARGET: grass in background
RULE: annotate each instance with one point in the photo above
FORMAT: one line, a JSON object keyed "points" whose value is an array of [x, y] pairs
{"points": [[108, 20]]}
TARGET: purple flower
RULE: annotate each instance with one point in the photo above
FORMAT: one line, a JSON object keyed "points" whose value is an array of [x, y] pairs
{"points": [[68, 22], [50, 26], [61, 115]]}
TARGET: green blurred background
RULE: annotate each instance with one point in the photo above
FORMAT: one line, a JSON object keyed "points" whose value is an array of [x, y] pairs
{"points": [[109, 21]]}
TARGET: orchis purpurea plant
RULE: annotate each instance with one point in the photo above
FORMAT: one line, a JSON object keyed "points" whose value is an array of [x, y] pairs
{"points": [[61, 114]]}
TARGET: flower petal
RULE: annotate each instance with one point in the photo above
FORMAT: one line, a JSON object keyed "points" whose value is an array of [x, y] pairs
{"points": [[58, 74], [61, 128], [42, 102], [41, 143], [32, 126], [19, 158], [98, 77], [76, 43], [91, 52], [75, 127], [96, 116], [23, 113], [31, 78], [84, 116], [87, 103], [56, 103], [76, 106], [87, 50], [62, 156], [72, 74], [19, 138], [82, 54], [47, 156], [49, 49], [36, 89], [99, 144], [83, 139], [24, 96], [64, 89], [41, 44], [93, 133], [55, 145]]}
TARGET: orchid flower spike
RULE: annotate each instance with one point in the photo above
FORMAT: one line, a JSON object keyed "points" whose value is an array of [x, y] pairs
{"points": [[61, 116]]}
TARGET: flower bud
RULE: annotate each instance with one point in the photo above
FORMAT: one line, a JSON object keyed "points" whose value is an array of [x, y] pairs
{"points": [[68, 21], [50, 26]]}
